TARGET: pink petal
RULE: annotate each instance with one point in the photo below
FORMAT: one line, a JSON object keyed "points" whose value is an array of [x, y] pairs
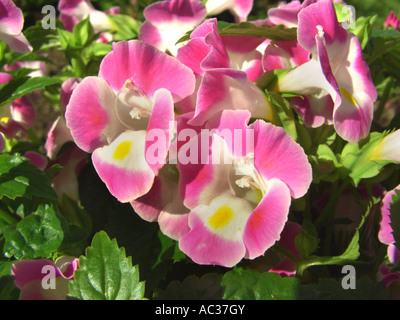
{"points": [[57, 136], [5, 77], [315, 111], [149, 206], [150, 34], [385, 231], [23, 111], [320, 14], [17, 43], [284, 54], [174, 218], [277, 155], [90, 114], [232, 126], [240, 9], [216, 231], [25, 271], [37, 159], [123, 168], [159, 130], [353, 119], [392, 21], [228, 89], [170, 20], [66, 181], [203, 178], [148, 68], [66, 90], [11, 18], [267, 221]]}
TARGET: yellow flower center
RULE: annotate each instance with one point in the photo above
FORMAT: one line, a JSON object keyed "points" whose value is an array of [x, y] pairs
{"points": [[122, 150], [221, 217]]}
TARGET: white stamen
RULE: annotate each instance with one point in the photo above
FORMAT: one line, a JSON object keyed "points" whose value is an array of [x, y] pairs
{"points": [[320, 31]]}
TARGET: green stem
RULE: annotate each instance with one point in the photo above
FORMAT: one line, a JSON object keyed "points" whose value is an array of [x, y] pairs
{"points": [[320, 261], [7, 217]]}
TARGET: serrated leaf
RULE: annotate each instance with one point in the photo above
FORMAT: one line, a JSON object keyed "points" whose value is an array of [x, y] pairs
{"points": [[105, 273], [16, 88], [251, 285], [36, 236], [20, 178]]}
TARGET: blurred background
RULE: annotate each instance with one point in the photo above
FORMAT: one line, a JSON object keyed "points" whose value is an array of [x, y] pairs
{"points": [[381, 8]]}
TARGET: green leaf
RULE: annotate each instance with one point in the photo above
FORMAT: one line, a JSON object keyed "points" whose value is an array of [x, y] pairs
{"points": [[124, 26], [16, 88], [42, 39], [351, 253], [36, 236], [105, 273], [355, 159], [66, 39], [251, 285], [20, 178], [307, 241], [82, 33], [284, 113], [363, 29], [275, 33]]}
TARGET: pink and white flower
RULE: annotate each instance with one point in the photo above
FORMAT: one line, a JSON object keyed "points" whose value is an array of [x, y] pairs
{"points": [[37, 159], [66, 181], [115, 115], [225, 73], [385, 234], [167, 21], [29, 275], [11, 24], [23, 111], [392, 21], [388, 148], [240, 9], [239, 194], [74, 11], [287, 13], [337, 75]]}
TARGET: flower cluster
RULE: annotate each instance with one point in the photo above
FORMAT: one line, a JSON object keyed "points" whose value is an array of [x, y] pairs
{"points": [[264, 143], [168, 125]]}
